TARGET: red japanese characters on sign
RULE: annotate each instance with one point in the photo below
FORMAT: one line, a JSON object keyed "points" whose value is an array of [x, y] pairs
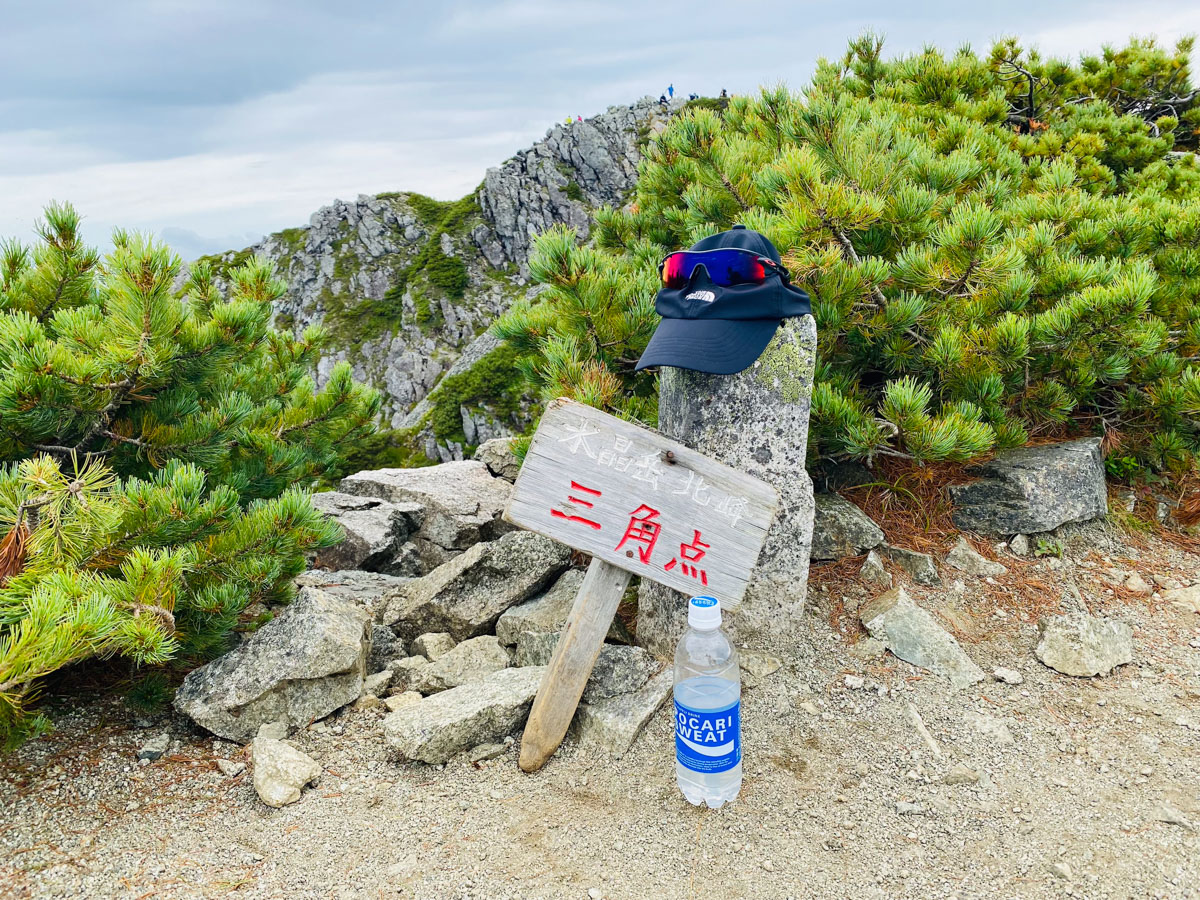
{"points": [[642, 502]]}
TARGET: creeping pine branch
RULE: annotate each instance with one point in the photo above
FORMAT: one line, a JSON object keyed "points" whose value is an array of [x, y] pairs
{"points": [[852, 257]]}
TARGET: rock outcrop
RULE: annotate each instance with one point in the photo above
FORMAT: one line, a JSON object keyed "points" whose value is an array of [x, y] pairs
{"points": [[406, 285], [446, 509], [575, 167]]}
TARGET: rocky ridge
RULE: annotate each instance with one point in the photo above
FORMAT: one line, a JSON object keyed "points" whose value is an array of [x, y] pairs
{"points": [[406, 286]]}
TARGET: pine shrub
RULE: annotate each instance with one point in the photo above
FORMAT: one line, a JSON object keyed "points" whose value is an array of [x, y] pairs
{"points": [[154, 453], [984, 268]]}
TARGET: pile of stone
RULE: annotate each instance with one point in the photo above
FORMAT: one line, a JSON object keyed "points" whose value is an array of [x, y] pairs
{"points": [[436, 615], [443, 620]]}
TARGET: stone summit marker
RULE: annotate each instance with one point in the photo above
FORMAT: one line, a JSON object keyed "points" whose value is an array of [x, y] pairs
{"points": [[639, 503]]}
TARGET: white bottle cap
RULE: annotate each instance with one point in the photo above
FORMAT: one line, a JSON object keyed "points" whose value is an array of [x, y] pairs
{"points": [[704, 613]]}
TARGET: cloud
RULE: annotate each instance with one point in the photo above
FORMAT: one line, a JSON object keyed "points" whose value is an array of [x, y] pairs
{"points": [[214, 120]]}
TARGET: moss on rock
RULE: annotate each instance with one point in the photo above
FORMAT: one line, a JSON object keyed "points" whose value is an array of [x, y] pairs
{"points": [[493, 384]]}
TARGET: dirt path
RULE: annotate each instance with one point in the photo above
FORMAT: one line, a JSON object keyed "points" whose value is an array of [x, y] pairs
{"points": [[1090, 789]]}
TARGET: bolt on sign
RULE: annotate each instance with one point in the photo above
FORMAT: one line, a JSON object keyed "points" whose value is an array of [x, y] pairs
{"points": [[638, 503]]}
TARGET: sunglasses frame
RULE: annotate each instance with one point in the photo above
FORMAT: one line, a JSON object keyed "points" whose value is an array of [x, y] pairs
{"points": [[766, 261]]}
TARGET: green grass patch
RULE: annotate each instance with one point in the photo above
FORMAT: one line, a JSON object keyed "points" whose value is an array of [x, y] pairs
{"points": [[493, 382], [440, 216], [222, 264]]}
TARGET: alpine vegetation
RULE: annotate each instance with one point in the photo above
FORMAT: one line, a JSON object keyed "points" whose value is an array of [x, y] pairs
{"points": [[154, 449], [998, 247]]}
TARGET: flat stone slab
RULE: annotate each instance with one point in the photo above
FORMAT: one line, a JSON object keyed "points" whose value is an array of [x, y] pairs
{"points": [[1033, 489], [965, 558], [613, 725], [913, 635], [374, 529], [548, 613], [465, 596], [300, 666], [1083, 645], [449, 722], [366, 588], [472, 660], [462, 500], [841, 529]]}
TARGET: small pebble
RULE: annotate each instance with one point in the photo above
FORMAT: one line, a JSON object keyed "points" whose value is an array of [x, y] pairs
{"points": [[1008, 676]]}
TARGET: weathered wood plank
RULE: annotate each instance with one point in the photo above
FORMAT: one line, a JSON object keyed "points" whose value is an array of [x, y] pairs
{"points": [[571, 666], [642, 502]]}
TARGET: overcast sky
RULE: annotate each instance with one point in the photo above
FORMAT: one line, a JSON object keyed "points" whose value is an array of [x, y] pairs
{"points": [[212, 122]]}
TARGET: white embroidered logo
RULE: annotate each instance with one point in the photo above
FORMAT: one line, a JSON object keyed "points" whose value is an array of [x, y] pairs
{"points": [[706, 296]]}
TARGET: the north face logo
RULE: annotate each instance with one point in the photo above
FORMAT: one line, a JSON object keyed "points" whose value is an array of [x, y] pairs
{"points": [[706, 296]]}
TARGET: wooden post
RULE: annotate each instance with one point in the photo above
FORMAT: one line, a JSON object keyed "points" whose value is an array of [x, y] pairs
{"points": [[571, 666]]}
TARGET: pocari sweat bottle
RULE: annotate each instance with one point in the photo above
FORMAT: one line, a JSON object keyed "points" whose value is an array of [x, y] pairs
{"points": [[708, 697]]}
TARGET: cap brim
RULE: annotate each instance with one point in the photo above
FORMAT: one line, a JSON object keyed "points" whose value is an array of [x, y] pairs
{"points": [[715, 346]]}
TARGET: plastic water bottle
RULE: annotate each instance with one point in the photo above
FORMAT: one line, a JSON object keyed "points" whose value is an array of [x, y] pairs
{"points": [[708, 704]]}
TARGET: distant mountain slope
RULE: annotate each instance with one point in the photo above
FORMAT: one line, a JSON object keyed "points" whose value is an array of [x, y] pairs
{"points": [[407, 286]]}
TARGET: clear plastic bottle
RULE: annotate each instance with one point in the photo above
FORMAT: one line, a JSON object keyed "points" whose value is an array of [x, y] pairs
{"points": [[708, 723]]}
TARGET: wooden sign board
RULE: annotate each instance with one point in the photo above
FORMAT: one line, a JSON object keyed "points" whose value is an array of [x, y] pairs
{"points": [[642, 502]]}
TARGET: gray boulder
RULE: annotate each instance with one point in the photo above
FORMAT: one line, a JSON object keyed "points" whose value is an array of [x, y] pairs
{"points": [[755, 421], [498, 456], [1033, 489], [1083, 645], [300, 666], [548, 613], [613, 724], [965, 558], [841, 529], [619, 669], [472, 660], [462, 500], [914, 636], [451, 721], [280, 771], [466, 596], [375, 530]]}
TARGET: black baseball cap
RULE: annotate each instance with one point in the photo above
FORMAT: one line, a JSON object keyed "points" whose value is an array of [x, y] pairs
{"points": [[719, 329]]}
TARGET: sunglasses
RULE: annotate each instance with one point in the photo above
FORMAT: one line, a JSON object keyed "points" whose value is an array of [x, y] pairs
{"points": [[725, 266]]}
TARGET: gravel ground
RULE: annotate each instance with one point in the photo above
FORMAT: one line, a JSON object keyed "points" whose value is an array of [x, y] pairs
{"points": [[1088, 788]]}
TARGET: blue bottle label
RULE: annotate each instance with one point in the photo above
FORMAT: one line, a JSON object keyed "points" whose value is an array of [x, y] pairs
{"points": [[708, 740]]}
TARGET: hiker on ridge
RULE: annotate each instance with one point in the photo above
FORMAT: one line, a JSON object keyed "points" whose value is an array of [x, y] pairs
{"points": [[671, 91]]}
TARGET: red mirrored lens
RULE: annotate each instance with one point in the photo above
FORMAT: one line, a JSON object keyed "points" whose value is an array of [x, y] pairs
{"points": [[724, 267]]}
